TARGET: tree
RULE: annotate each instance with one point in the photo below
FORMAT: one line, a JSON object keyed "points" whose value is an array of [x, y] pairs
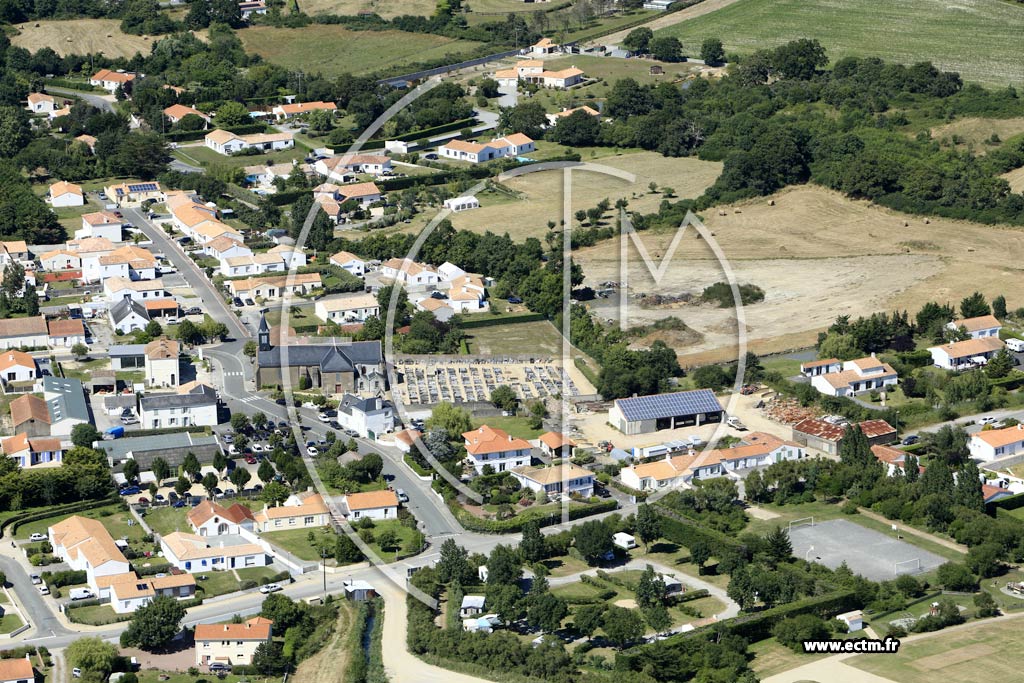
{"points": [[131, 469], [657, 617], [546, 612], [999, 365], [210, 483], [967, 491], [161, 470], [578, 129], [153, 329], [155, 625], [265, 471], [250, 348], [182, 486], [387, 540], [533, 547], [504, 398], [954, 576], [453, 563], [346, 551], [93, 654], [268, 658], [231, 114], [974, 306], [999, 307], [778, 545], [503, 566], [592, 539], [985, 604], [841, 346], [191, 464], [799, 59], [240, 477], [79, 351], [85, 435], [274, 493], [984, 559], [638, 40], [15, 130], [711, 52], [700, 553], [528, 118], [794, 631], [588, 618], [667, 49], [452, 419], [622, 626], [949, 444], [220, 462], [650, 590], [283, 611], [648, 524], [239, 422]]}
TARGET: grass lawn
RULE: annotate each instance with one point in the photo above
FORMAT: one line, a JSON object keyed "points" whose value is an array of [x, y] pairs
{"points": [[565, 565], [404, 534], [516, 426], [980, 39], [154, 676], [296, 541], [217, 583], [206, 157], [787, 366], [771, 657], [165, 520], [9, 622], [576, 590], [975, 655], [116, 523], [95, 615], [539, 336], [257, 573], [356, 52]]}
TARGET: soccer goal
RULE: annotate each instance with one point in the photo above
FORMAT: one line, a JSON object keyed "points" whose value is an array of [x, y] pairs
{"points": [[804, 521], [907, 566]]}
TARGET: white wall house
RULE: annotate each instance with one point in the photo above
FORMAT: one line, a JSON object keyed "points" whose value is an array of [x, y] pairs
{"points": [[371, 504], [857, 376], [85, 544], [65, 194], [299, 511], [409, 272], [556, 480], [195, 407], [100, 224], [966, 354], [991, 444], [192, 553], [475, 153], [495, 447], [162, 363], [368, 417], [347, 308], [224, 142], [231, 644], [211, 519], [350, 262], [977, 328], [111, 80], [824, 366]]}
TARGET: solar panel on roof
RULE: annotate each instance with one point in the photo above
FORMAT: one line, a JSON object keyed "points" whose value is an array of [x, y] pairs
{"points": [[669, 405], [143, 187]]}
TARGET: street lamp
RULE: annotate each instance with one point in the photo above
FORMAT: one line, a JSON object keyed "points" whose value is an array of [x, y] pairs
{"points": [[808, 554], [323, 565]]}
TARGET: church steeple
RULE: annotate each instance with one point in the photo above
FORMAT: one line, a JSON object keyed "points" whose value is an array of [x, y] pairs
{"points": [[263, 334]]}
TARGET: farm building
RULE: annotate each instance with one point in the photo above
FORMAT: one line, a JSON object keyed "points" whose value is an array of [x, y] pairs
{"points": [[643, 414], [826, 436]]}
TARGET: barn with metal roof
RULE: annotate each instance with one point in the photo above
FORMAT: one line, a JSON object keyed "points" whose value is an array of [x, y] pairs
{"points": [[643, 414]]}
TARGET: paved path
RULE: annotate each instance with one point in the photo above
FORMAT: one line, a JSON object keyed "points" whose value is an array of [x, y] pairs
{"points": [[944, 542], [102, 102], [666, 20]]}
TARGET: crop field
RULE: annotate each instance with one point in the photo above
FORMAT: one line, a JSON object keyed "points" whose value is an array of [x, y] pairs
{"points": [[541, 192], [980, 39], [971, 133], [385, 8], [80, 36], [1016, 179], [333, 50], [816, 255], [967, 655]]}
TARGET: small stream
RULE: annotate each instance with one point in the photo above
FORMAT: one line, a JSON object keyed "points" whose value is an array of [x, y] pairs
{"points": [[371, 619]]}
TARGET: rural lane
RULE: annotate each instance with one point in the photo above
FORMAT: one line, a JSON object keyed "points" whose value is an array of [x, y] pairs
{"points": [[99, 101]]}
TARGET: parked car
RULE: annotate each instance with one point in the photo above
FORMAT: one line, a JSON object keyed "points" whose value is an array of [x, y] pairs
{"points": [[281, 402], [237, 302], [81, 594], [129, 491], [323, 417], [987, 420], [270, 588], [36, 580], [312, 451], [402, 497], [37, 537], [45, 590], [257, 448], [911, 440], [336, 425], [180, 503], [218, 666], [250, 460], [515, 300], [171, 320], [233, 450], [250, 302], [195, 310], [228, 438]]}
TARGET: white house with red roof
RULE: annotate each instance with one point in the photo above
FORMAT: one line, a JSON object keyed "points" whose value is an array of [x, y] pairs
{"points": [[176, 112], [857, 376], [512, 145], [979, 327], [111, 80], [495, 447], [286, 111], [962, 355], [813, 368], [991, 444], [212, 519], [231, 644], [64, 194], [17, 670], [371, 505], [104, 224]]}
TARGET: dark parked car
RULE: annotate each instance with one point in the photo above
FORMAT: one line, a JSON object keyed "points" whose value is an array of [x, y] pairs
{"points": [[336, 425], [515, 300], [237, 302], [910, 440], [195, 310], [129, 491], [250, 302], [281, 402]]}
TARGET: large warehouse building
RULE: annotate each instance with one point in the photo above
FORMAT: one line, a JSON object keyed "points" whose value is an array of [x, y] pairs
{"points": [[643, 414]]}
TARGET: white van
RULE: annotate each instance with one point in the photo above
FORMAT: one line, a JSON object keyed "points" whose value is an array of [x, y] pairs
{"points": [[1015, 344], [80, 594]]}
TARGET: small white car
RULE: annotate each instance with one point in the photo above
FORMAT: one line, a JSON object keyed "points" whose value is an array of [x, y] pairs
{"points": [[270, 588], [76, 672], [37, 537], [257, 448], [44, 590], [312, 451], [987, 420], [323, 417]]}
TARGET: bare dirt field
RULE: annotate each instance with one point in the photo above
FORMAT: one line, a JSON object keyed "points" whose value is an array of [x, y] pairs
{"points": [[973, 132], [542, 192], [80, 36], [816, 255], [1016, 179]]}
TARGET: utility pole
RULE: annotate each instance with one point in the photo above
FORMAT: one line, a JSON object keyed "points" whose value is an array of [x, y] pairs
{"points": [[323, 564]]}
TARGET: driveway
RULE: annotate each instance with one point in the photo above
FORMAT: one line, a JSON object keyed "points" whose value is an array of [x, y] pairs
{"points": [[101, 102]]}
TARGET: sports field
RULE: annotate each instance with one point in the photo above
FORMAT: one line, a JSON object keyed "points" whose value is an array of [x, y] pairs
{"points": [[982, 653], [980, 39], [333, 50]]}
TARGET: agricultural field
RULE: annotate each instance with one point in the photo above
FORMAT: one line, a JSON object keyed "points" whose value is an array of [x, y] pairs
{"points": [[200, 155], [980, 39], [541, 195], [80, 36], [966, 655], [356, 52], [385, 8], [539, 336], [816, 255], [1016, 179], [971, 134]]}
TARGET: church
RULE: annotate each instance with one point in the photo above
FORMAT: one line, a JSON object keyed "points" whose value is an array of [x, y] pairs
{"points": [[335, 367]]}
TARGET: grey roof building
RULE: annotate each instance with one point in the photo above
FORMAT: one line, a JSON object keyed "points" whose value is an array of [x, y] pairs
{"points": [[128, 315], [171, 447], [65, 399], [127, 356]]}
